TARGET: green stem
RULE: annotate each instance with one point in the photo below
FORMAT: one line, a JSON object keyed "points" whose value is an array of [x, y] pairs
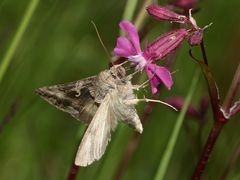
{"points": [[175, 133], [129, 11], [17, 37]]}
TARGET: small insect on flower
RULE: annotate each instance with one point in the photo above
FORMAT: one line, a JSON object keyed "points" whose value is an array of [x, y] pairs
{"points": [[101, 102]]}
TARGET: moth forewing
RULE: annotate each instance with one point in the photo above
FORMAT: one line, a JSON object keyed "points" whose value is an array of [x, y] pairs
{"points": [[126, 112], [97, 135], [74, 98]]}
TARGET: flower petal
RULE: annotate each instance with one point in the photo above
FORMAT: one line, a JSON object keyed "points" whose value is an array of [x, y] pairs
{"points": [[165, 76], [153, 81], [132, 34], [123, 47], [158, 74]]}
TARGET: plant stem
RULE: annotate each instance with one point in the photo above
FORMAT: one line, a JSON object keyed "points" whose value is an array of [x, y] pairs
{"points": [[129, 10], [11, 113], [232, 161], [204, 54], [141, 16], [216, 129], [73, 172], [17, 37], [232, 90], [175, 133], [218, 125]]}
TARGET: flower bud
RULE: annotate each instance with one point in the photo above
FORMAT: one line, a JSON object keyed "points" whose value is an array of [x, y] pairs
{"points": [[196, 37], [165, 44], [164, 14]]}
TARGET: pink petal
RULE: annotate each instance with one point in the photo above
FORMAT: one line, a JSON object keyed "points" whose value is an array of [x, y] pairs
{"points": [[153, 81], [132, 34], [158, 74], [165, 76], [123, 48]]}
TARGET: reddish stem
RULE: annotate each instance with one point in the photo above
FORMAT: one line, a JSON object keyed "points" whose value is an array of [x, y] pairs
{"points": [[9, 116], [216, 129], [73, 172], [220, 121]]}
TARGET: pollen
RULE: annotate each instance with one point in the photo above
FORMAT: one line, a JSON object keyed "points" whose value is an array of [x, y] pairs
{"points": [[173, 37]]}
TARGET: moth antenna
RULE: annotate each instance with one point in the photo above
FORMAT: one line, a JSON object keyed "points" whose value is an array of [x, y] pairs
{"points": [[101, 41], [135, 101]]}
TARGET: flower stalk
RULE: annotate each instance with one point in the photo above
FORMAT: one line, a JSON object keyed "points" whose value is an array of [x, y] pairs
{"points": [[219, 116], [17, 37], [173, 138]]}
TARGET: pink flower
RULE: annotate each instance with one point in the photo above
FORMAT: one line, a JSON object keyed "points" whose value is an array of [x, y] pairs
{"points": [[185, 4], [129, 47], [164, 14], [158, 74]]}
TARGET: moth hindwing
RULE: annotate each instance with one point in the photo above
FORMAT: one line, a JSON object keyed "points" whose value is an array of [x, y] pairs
{"points": [[99, 101]]}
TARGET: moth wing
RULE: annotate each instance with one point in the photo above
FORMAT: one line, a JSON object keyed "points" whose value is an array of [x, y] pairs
{"points": [[97, 135], [75, 98], [126, 112]]}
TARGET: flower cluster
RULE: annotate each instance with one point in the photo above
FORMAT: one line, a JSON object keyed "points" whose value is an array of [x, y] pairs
{"points": [[129, 46]]}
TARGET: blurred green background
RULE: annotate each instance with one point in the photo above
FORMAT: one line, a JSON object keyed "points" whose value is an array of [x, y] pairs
{"points": [[60, 45]]}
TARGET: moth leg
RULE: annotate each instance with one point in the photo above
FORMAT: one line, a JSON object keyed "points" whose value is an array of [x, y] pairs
{"points": [[130, 76], [143, 85], [135, 101]]}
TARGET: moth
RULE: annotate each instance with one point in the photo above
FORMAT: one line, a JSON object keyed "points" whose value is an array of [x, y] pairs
{"points": [[100, 102]]}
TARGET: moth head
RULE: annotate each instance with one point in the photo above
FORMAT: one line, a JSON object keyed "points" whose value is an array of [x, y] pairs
{"points": [[118, 71]]}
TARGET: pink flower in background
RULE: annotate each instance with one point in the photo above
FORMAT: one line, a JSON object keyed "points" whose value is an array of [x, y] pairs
{"points": [[185, 4], [129, 47]]}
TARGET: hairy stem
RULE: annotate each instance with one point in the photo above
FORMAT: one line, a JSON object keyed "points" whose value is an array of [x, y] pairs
{"points": [[17, 37]]}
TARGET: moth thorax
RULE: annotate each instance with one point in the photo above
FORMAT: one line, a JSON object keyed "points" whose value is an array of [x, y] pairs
{"points": [[118, 72]]}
